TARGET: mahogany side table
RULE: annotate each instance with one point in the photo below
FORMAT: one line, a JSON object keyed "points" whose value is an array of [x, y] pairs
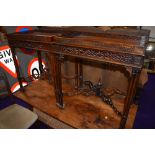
{"points": [[117, 47]]}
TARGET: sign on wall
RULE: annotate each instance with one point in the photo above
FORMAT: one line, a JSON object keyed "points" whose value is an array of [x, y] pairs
{"points": [[33, 68], [24, 29], [6, 60], [27, 59]]}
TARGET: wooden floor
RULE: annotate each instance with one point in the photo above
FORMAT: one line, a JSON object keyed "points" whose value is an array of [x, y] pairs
{"points": [[80, 111]]}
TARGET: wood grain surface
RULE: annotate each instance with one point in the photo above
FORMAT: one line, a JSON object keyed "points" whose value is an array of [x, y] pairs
{"points": [[80, 111]]}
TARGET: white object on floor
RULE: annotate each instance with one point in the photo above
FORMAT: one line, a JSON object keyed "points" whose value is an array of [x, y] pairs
{"points": [[16, 117]]}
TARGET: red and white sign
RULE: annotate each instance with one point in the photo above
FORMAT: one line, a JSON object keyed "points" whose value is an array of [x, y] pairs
{"points": [[25, 29], [6, 60], [16, 86], [33, 67]]}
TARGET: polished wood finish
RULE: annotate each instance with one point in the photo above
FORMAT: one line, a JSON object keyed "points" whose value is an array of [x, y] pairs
{"points": [[56, 74], [117, 47], [128, 99], [40, 61], [80, 111], [78, 74]]}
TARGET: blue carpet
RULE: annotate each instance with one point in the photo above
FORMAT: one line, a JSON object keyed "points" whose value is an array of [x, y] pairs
{"points": [[8, 101], [145, 117]]}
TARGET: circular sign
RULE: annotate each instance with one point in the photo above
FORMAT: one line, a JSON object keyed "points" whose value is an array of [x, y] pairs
{"points": [[16, 86], [33, 68], [25, 29]]}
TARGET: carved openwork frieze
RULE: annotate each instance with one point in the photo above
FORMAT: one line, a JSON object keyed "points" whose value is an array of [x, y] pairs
{"points": [[125, 59], [109, 56]]}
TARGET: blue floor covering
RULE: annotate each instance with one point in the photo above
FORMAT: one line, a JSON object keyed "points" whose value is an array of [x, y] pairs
{"points": [[145, 117]]}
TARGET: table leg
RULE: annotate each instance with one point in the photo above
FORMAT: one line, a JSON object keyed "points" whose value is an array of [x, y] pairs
{"points": [[129, 97], [56, 73], [49, 68], [78, 73], [40, 61], [17, 68]]}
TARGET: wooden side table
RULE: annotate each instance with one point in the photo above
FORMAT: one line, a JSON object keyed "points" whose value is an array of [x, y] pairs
{"points": [[117, 47]]}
